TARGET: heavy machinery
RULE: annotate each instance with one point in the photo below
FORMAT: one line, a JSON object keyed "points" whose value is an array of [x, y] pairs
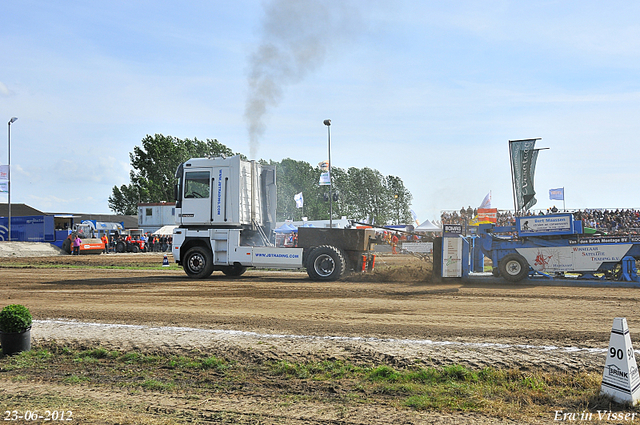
{"points": [[546, 246], [133, 244], [90, 244], [225, 211]]}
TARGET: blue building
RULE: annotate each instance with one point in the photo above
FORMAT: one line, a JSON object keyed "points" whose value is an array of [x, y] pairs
{"points": [[31, 225]]}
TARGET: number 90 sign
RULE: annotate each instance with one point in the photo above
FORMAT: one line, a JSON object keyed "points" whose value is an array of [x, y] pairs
{"points": [[619, 354]]}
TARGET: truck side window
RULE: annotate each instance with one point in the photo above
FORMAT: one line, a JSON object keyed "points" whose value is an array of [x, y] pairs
{"points": [[196, 184]]}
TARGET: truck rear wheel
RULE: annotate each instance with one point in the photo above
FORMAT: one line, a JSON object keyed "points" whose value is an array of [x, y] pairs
{"points": [[326, 262], [198, 263], [514, 267], [121, 247], [235, 270]]}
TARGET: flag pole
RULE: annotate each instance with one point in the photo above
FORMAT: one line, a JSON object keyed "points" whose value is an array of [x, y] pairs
{"points": [[564, 207]]}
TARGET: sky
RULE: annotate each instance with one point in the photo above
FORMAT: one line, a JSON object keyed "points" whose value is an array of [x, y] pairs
{"points": [[428, 91]]}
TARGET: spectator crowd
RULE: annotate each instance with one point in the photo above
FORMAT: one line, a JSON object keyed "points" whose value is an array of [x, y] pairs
{"points": [[612, 222]]}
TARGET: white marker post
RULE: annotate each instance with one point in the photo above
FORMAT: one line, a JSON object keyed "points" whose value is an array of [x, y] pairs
{"points": [[620, 379]]}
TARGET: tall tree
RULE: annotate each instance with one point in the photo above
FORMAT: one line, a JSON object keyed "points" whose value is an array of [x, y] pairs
{"points": [[361, 194], [399, 200], [154, 165]]}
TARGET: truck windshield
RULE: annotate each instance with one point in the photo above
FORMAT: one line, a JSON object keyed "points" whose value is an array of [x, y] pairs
{"points": [[196, 184]]}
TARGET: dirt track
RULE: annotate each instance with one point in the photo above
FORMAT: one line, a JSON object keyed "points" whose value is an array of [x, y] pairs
{"points": [[397, 317], [288, 303]]}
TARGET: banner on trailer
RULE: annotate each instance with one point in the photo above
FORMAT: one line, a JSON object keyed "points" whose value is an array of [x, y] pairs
{"points": [[523, 165], [538, 225], [573, 258], [452, 257]]}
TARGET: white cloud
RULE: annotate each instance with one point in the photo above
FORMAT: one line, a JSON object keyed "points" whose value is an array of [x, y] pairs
{"points": [[4, 90]]}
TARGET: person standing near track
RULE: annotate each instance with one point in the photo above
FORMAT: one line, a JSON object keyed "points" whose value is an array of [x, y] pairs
{"points": [[76, 245], [394, 243], [105, 241]]}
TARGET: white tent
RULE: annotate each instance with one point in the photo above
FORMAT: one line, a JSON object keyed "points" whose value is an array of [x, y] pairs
{"points": [[165, 231], [427, 226]]}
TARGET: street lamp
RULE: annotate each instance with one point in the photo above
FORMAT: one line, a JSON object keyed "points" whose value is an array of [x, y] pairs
{"points": [[328, 124], [11, 121], [397, 208]]}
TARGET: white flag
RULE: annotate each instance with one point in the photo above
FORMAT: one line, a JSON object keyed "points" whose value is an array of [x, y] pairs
{"points": [[325, 179], [415, 217], [299, 200]]}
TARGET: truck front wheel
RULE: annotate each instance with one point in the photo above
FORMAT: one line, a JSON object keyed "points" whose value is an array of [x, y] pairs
{"points": [[326, 262], [198, 263], [514, 267]]}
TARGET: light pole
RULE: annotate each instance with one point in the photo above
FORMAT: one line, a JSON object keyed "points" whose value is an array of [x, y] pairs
{"points": [[328, 124], [11, 121], [397, 208]]}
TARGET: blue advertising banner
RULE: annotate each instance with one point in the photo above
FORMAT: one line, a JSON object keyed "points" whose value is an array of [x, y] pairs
{"points": [[539, 225]]}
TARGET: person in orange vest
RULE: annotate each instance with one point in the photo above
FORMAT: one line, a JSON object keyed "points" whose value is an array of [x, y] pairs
{"points": [[394, 243], [105, 241]]}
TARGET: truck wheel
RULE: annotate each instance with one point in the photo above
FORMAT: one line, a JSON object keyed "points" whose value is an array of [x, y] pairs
{"points": [[326, 262], [120, 247], [235, 270], [514, 267], [198, 263], [135, 248]]}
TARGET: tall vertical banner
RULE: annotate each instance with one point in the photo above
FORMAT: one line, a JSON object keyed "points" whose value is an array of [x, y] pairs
{"points": [[523, 156], [4, 178]]}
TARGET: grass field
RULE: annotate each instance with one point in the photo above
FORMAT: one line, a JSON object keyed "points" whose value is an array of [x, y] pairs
{"points": [[489, 392]]}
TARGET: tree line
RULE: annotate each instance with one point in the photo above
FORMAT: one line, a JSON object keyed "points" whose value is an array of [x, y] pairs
{"points": [[362, 194]]}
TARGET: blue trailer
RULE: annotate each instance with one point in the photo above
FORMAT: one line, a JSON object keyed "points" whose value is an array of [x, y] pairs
{"points": [[36, 228], [550, 247]]}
